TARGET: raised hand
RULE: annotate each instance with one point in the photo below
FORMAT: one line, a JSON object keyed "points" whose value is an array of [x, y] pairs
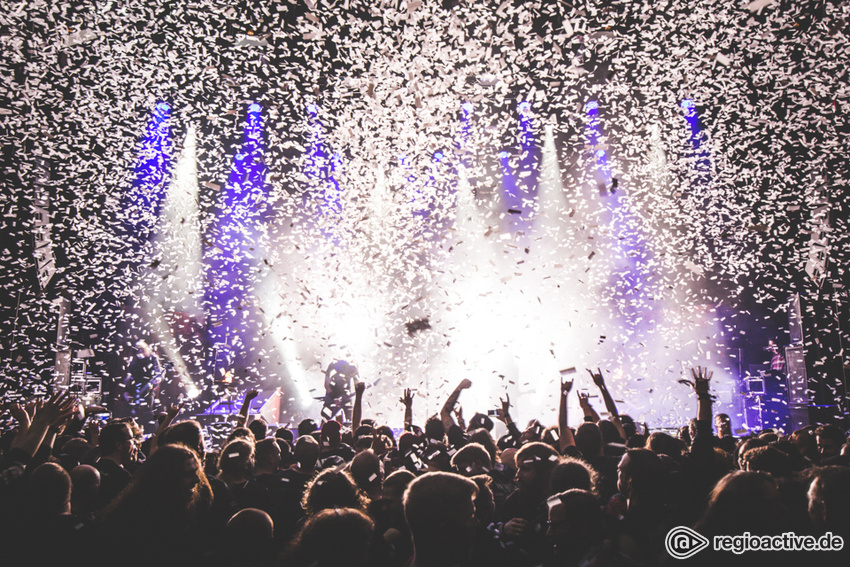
{"points": [[359, 388], [701, 378], [21, 415], [57, 409], [504, 412], [251, 394], [597, 377], [172, 411], [407, 398], [566, 387], [583, 398], [464, 384]]}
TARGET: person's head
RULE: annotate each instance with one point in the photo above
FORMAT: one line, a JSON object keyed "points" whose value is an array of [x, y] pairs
{"points": [[829, 500], [259, 428], [480, 421], [684, 435], [576, 522], [434, 429], [806, 443], [485, 505], [367, 472], [440, 512], [663, 444], [589, 440], [306, 453], [392, 494], [248, 536], [267, 455], [768, 459], [331, 435], [508, 460], [387, 432], [610, 434], [572, 473], [641, 477], [85, 480], [533, 432], [240, 433], [116, 441], [744, 501], [306, 427], [285, 434], [830, 439], [333, 537], [236, 461], [436, 458], [332, 489], [48, 491], [723, 425], [745, 446], [169, 484], [188, 433], [472, 460], [628, 426], [483, 438], [535, 462]]}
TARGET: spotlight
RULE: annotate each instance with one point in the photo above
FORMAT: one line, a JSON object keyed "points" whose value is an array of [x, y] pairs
{"points": [[524, 107], [254, 108], [591, 105], [467, 107], [503, 154], [312, 109], [438, 156]]}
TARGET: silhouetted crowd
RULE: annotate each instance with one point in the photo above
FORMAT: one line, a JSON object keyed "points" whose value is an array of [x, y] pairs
{"points": [[446, 494]]}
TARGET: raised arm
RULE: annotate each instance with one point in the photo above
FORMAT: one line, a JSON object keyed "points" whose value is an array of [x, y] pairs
{"points": [[357, 408], [52, 412], [565, 434], [407, 400], [589, 413], [599, 380], [703, 442], [446, 412], [505, 417], [170, 414], [242, 418]]}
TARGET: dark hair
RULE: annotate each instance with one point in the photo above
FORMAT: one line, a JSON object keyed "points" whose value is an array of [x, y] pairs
{"points": [[572, 473], [589, 440], [434, 429], [259, 428], [188, 433], [332, 489], [483, 437], [470, 453], [306, 452], [113, 434], [743, 501], [333, 537]]}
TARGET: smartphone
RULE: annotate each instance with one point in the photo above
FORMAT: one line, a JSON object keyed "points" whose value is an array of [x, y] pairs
{"points": [[493, 413]]}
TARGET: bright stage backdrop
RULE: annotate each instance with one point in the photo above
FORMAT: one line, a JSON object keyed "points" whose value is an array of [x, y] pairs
{"points": [[430, 190]]}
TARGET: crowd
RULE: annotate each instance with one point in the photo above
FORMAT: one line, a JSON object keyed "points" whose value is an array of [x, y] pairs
{"points": [[449, 493]]}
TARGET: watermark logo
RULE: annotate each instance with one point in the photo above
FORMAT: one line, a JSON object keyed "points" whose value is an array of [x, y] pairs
{"points": [[683, 542]]}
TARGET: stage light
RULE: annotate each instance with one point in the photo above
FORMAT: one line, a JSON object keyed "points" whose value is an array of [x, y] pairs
{"points": [[254, 108], [467, 107], [591, 106], [503, 154], [438, 156], [524, 107], [312, 109]]}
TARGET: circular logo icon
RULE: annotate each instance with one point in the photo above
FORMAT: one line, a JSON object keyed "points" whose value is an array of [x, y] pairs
{"points": [[683, 542]]}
